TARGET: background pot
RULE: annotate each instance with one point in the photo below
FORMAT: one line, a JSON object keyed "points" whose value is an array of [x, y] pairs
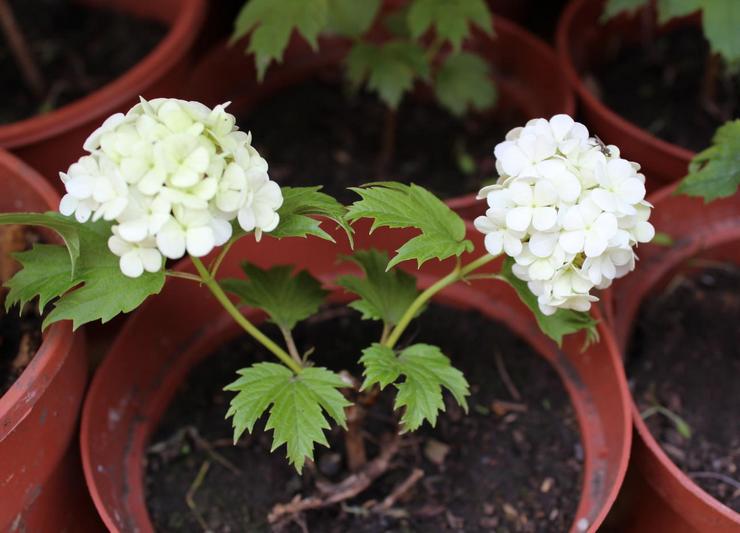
{"points": [[581, 41], [51, 142], [520, 62], [183, 324], [41, 486], [673, 502]]}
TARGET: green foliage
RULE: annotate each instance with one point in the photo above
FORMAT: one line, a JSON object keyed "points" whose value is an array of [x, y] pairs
{"points": [[617, 7], [351, 18], [300, 206], [464, 81], [296, 404], [451, 19], [397, 205], [384, 295], [285, 297], [425, 370], [662, 239], [715, 172], [388, 69], [101, 290], [273, 22], [556, 326]]}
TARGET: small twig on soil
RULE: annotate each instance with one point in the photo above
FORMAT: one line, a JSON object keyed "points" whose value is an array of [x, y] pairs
{"points": [[161, 448], [335, 493], [354, 442], [505, 377], [26, 352], [716, 475], [400, 490], [190, 495], [21, 51]]}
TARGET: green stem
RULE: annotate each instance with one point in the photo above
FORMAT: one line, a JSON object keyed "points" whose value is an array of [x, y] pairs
{"points": [[221, 255], [457, 274], [183, 275], [240, 319]]}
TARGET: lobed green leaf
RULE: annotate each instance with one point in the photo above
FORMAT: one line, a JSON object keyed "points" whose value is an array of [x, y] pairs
{"points": [[451, 19], [300, 206], [351, 18], [464, 82]]}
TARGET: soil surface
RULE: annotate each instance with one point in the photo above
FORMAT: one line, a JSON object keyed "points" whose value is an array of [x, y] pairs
{"points": [[319, 132], [685, 357], [660, 88], [510, 465], [78, 49]]}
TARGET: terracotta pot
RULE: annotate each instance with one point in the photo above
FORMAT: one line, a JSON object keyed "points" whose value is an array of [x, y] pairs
{"points": [[41, 487], [183, 324], [51, 142], [712, 231], [581, 42], [520, 62]]}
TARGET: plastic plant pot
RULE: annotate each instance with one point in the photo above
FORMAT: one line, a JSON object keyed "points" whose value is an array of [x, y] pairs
{"points": [[175, 330], [41, 483]]}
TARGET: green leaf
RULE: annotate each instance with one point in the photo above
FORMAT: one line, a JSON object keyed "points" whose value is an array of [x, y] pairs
{"points": [[296, 405], [384, 295], [715, 172], [563, 322], [288, 299], [451, 19], [65, 227], [273, 21], [670, 9], [397, 205], [101, 290], [662, 239], [721, 22], [425, 369], [464, 81], [614, 8], [300, 206], [389, 69], [351, 18]]}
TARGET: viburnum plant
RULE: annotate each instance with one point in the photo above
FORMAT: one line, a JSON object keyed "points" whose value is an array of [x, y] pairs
{"points": [[171, 179]]}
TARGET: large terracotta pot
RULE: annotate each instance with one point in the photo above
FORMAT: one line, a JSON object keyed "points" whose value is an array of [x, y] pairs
{"points": [[520, 63], [51, 142], [673, 501], [175, 330], [41, 486], [582, 41]]}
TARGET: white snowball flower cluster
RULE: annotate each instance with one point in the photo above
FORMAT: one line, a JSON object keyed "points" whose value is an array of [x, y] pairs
{"points": [[172, 175], [567, 209]]}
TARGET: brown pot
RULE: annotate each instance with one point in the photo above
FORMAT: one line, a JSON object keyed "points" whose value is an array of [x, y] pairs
{"points": [[41, 486], [581, 40], [51, 142], [673, 501], [520, 62], [174, 331]]}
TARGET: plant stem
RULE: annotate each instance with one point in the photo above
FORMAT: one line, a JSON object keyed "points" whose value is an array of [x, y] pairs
{"points": [[290, 343], [457, 274], [221, 255], [387, 142], [21, 51], [183, 275], [240, 319]]}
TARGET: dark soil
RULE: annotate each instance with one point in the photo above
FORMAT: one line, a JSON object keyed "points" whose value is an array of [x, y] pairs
{"points": [[686, 357], [660, 88], [499, 468], [319, 132], [78, 49]]}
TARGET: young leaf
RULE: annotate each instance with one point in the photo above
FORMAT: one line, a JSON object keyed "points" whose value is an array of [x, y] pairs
{"points": [[462, 82], [273, 21], [669, 9], [396, 205], [300, 206], [296, 405], [617, 7], [384, 295], [425, 369], [102, 290], [715, 172], [556, 326], [288, 299], [451, 19], [390, 69], [721, 23], [351, 18]]}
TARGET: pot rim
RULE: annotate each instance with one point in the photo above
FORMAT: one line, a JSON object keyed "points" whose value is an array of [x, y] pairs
{"points": [[173, 46]]}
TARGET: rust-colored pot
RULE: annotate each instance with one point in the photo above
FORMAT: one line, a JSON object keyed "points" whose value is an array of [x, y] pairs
{"points": [[175, 330], [520, 63], [51, 142], [581, 42], [673, 502], [41, 484]]}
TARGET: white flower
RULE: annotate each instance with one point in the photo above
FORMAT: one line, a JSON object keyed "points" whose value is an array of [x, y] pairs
{"points": [[171, 175], [586, 228], [620, 187]]}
